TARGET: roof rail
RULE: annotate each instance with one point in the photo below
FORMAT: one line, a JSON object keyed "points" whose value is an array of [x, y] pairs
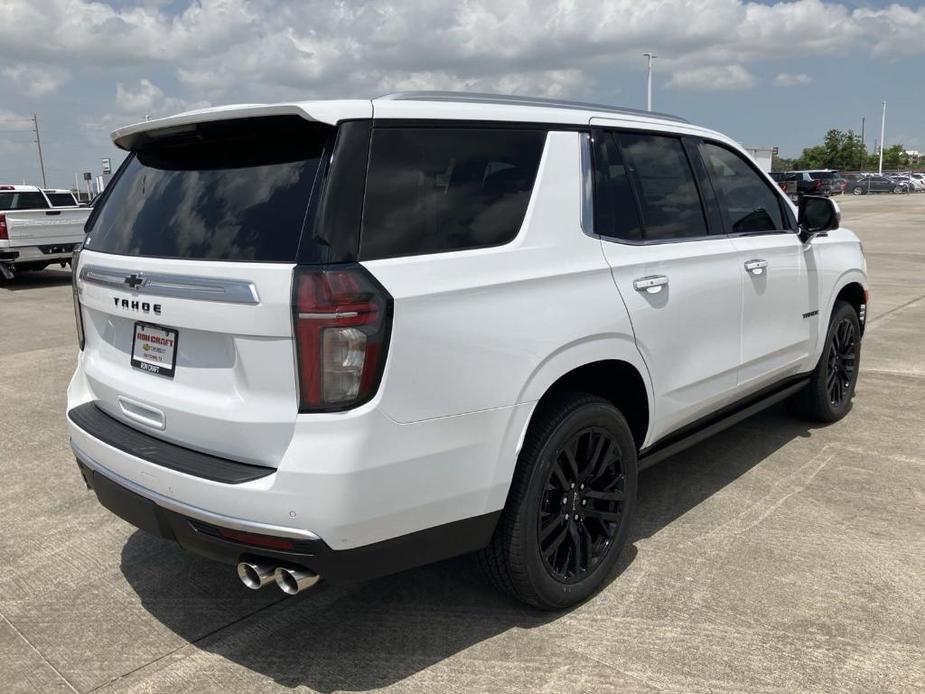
{"points": [[514, 100]]}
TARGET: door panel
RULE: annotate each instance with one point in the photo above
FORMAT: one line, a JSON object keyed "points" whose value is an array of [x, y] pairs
{"points": [[688, 330], [775, 288], [775, 302]]}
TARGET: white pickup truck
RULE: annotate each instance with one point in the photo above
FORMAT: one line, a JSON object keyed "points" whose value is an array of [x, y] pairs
{"points": [[38, 227]]}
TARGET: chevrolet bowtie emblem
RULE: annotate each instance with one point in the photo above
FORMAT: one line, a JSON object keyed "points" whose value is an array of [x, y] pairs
{"points": [[135, 281]]}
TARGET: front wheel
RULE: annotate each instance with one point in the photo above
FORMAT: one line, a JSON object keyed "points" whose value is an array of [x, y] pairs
{"points": [[568, 510], [827, 397]]}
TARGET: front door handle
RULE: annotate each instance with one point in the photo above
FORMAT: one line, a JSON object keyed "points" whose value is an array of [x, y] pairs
{"points": [[652, 284], [756, 266]]}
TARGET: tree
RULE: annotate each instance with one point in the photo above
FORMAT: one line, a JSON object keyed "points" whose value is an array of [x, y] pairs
{"points": [[781, 164], [839, 150]]}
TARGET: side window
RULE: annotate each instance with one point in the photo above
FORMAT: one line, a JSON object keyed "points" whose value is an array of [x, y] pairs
{"points": [[661, 174], [430, 190], [745, 199], [615, 213]]}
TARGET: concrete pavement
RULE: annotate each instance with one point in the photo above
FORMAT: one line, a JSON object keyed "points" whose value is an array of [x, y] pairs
{"points": [[776, 557]]}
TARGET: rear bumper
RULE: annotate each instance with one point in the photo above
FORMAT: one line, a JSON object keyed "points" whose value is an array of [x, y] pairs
{"points": [[32, 254], [159, 516]]}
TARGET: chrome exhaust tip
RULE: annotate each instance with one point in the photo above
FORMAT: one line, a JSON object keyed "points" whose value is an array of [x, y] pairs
{"points": [[293, 581], [255, 576]]}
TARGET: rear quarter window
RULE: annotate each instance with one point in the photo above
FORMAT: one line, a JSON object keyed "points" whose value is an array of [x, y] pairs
{"points": [[430, 190], [22, 200]]}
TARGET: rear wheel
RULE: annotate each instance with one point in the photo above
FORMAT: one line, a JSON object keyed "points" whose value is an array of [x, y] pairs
{"points": [[857, 190], [569, 506], [827, 397]]}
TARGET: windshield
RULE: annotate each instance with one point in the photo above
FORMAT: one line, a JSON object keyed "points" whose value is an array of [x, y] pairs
{"points": [[233, 190]]}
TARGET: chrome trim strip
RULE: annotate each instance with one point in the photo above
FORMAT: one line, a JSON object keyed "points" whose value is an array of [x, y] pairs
{"points": [[587, 194], [177, 286], [189, 510], [328, 316]]}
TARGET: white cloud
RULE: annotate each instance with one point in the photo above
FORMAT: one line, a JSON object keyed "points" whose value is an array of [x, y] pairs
{"points": [[792, 79], [267, 49], [147, 99], [142, 98], [35, 80], [712, 77], [14, 121]]}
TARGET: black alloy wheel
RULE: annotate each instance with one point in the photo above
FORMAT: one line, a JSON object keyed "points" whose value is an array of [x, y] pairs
{"points": [[842, 362], [582, 506], [570, 503]]}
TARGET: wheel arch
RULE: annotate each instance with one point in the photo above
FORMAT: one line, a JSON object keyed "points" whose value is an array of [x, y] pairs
{"points": [[853, 293], [610, 368]]}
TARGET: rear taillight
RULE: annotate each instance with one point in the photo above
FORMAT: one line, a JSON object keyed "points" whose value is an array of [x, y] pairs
{"points": [[341, 321], [4, 232], [817, 184], [78, 316]]}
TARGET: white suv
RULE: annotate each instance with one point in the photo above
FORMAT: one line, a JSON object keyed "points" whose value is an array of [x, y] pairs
{"points": [[344, 338]]}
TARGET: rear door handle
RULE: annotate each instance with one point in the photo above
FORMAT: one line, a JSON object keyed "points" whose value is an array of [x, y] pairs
{"points": [[652, 284], [756, 266]]}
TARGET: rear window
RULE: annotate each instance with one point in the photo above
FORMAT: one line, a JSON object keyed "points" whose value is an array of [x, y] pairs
{"points": [[22, 200], [61, 199], [823, 174], [430, 190], [233, 190]]}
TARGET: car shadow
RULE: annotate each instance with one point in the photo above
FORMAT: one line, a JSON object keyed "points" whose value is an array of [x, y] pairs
{"points": [[50, 277], [366, 636]]}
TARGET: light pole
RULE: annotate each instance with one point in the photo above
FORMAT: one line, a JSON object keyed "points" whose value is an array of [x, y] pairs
{"points": [[882, 128], [38, 143], [651, 57]]}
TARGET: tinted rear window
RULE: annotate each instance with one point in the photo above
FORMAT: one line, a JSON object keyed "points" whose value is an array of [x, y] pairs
{"points": [[234, 190], [61, 199], [23, 200], [441, 189]]}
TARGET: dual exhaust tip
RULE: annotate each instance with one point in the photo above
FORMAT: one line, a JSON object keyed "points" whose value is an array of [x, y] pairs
{"points": [[290, 580]]}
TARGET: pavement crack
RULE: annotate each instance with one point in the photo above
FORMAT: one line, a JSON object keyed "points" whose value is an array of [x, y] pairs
{"points": [[38, 653], [874, 321], [180, 648]]}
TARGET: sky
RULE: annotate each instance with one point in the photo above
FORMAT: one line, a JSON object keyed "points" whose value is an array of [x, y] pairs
{"points": [[765, 73]]}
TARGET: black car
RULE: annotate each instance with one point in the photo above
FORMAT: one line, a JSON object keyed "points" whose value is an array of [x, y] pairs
{"points": [[874, 184]]}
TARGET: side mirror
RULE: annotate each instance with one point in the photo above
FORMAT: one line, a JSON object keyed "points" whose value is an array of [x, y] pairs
{"points": [[817, 215]]}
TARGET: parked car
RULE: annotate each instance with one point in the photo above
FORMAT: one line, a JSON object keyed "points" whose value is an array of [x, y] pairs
{"points": [[33, 235], [828, 181], [875, 184], [912, 184], [787, 182], [376, 334], [799, 183]]}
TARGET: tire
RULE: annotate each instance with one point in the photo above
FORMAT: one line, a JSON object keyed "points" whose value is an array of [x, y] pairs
{"points": [[857, 190], [827, 397], [564, 525], [897, 190]]}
